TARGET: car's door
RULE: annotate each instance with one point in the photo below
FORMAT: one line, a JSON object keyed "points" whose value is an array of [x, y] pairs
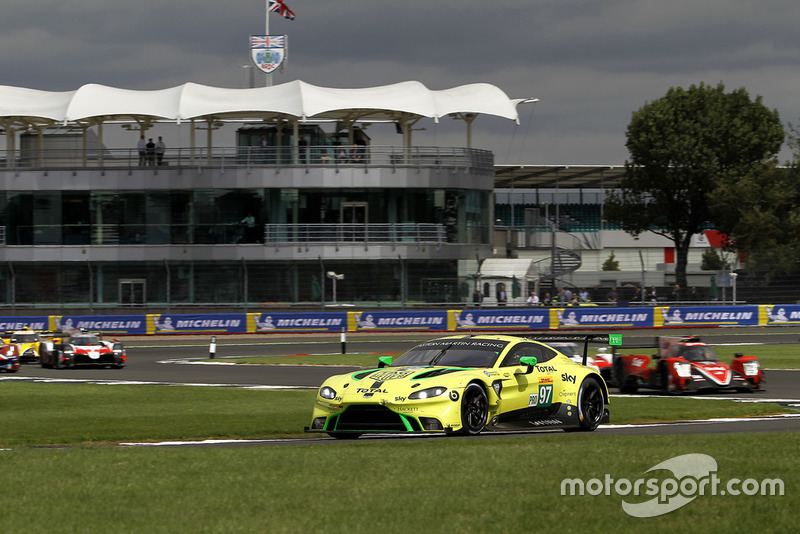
{"points": [[525, 393]]}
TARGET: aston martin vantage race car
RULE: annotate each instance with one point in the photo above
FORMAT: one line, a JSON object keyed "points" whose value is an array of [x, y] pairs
{"points": [[84, 348], [686, 364], [463, 385]]}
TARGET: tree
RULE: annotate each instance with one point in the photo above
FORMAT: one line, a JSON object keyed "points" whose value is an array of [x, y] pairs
{"points": [[611, 263], [759, 214], [683, 147]]}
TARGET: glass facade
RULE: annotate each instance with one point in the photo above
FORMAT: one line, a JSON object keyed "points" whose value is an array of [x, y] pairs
{"points": [[218, 216], [149, 218], [113, 284]]}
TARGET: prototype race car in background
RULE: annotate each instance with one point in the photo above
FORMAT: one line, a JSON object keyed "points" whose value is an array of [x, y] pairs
{"points": [[463, 385], [29, 342], [685, 364], [84, 348], [9, 357]]}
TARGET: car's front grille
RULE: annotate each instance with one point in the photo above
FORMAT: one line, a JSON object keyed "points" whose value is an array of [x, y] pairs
{"points": [[372, 417]]}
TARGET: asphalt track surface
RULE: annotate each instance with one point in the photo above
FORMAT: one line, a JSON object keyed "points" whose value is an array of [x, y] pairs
{"points": [[174, 360]]}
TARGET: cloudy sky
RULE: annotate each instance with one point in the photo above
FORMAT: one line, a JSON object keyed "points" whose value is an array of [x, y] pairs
{"points": [[590, 62]]}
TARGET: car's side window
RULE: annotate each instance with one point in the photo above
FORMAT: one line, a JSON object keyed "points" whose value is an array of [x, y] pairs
{"points": [[540, 352]]}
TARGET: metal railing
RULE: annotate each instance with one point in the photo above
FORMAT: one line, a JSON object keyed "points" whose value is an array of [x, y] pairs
{"points": [[235, 233], [472, 160], [374, 233]]}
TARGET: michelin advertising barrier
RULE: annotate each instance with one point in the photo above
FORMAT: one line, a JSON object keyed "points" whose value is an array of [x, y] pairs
{"points": [[458, 320]]}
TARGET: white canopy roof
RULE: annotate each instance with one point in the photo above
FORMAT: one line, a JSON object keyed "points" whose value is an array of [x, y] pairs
{"points": [[507, 268], [93, 102]]}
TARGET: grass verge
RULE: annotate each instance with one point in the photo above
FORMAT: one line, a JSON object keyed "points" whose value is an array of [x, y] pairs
{"points": [[429, 485], [53, 414]]}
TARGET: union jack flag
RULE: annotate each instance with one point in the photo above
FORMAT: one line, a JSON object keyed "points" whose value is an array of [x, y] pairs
{"points": [[267, 41], [277, 6]]}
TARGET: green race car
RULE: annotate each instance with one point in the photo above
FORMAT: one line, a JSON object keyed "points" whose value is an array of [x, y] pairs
{"points": [[466, 384]]}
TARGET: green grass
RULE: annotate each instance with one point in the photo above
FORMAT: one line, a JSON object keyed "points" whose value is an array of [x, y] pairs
{"points": [[431, 485], [53, 414], [434, 484]]}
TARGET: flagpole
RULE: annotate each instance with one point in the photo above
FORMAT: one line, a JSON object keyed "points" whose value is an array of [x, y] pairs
{"points": [[266, 32]]}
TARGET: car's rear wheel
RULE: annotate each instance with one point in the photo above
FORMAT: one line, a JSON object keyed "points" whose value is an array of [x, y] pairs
{"points": [[474, 410], [591, 404], [625, 382], [663, 379]]}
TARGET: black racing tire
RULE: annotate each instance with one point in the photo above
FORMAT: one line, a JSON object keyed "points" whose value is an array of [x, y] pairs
{"points": [[591, 404], [663, 379], [625, 382], [474, 410], [344, 435]]}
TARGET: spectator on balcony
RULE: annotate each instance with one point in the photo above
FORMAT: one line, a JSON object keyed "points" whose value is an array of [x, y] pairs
{"points": [[150, 150], [584, 296], [303, 149], [611, 296], [141, 146], [339, 152], [533, 299], [161, 147], [675, 296], [477, 296], [502, 296], [652, 295], [264, 144]]}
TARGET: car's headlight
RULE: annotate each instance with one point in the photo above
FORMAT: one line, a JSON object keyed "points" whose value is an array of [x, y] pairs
{"points": [[428, 393], [327, 392], [682, 369], [750, 368]]}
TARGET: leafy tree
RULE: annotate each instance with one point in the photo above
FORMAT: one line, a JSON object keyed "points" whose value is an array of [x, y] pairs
{"points": [[759, 214], [713, 260], [611, 263], [682, 148]]}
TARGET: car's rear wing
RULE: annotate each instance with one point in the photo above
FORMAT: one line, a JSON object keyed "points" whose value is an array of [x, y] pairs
{"points": [[662, 343], [615, 340]]}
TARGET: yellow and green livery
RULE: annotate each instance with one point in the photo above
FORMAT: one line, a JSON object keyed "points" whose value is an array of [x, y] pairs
{"points": [[466, 384]]}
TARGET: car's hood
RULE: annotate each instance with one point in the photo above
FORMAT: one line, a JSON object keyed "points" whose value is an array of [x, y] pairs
{"points": [[392, 382], [717, 372]]}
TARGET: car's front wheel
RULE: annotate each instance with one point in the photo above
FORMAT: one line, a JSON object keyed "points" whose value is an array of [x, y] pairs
{"points": [[591, 404], [474, 410]]}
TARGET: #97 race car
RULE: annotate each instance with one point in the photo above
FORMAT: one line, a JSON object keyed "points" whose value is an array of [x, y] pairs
{"points": [[84, 348], [685, 364], [463, 385]]}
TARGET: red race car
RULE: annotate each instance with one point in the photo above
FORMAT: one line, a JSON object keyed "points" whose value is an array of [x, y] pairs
{"points": [[683, 365], [84, 348], [9, 357]]}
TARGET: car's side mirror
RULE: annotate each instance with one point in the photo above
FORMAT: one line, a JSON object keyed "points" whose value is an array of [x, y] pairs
{"points": [[384, 361], [529, 362]]}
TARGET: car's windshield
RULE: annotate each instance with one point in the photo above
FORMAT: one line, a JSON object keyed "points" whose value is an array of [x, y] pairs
{"points": [[699, 354], [25, 338], [453, 353], [85, 341]]}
